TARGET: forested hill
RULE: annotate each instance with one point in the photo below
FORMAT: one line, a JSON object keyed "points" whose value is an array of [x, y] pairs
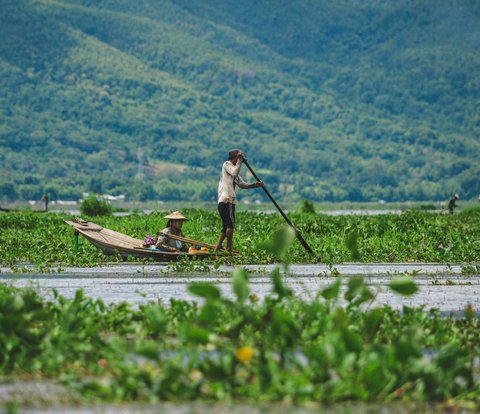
{"points": [[331, 100]]}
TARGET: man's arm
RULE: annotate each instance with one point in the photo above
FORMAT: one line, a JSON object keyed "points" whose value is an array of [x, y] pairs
{"points": [[162, 243], [242, 184]]}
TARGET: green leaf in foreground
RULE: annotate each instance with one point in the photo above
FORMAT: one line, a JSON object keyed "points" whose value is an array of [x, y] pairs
{"points": [[355, 288], [403, 286], [204, 290], [194, 334], [332, 291], [240, 284], [280, 242], [278, 286]]}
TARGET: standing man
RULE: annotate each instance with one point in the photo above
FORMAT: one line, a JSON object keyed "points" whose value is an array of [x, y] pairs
{"points": [[229, 179], [452, 203]]}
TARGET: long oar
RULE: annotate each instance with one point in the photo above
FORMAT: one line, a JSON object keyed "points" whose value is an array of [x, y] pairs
{"points": [[297, 233], [194, 242]]}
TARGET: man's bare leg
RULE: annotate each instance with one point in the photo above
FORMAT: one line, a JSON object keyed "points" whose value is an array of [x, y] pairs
{"points": [[220, 242], [229, 239]]}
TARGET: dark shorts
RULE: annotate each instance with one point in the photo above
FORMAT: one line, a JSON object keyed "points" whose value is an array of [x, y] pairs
{"points": [[227, 213]]}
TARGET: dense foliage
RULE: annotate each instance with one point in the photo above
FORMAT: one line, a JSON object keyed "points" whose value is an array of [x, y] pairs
{"points": [[344, 100], [416, 236], [280, 349], [92, 206]]}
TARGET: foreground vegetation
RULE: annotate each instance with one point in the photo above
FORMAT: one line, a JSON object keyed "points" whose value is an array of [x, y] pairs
{"points": [[282, 348], [44, 239]]}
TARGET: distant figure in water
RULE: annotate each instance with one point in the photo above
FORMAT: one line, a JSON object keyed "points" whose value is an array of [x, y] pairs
{"points": [[45, 200], [452, 203], [174, 226]]}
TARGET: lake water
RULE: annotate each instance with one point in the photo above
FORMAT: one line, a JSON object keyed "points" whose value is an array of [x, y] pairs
{"points": [[440, 286]]}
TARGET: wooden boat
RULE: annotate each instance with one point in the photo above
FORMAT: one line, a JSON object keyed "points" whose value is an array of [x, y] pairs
{"points": [[114, 243]]}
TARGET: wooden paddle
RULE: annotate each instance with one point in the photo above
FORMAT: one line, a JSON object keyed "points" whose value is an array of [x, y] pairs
{"points": [[297, 233], [197, 243]]}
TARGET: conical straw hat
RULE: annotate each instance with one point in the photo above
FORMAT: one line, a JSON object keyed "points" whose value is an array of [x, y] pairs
{"points": [[176, 215]]}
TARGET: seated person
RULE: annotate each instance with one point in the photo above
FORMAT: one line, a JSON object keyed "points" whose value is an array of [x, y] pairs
{"points": [[174, 226]]}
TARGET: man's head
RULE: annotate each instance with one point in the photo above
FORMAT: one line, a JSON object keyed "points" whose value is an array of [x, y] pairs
{"points": [[233, 154]]}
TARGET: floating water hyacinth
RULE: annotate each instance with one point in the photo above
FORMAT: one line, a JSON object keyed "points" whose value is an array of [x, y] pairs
{"points": [[407, 237]]}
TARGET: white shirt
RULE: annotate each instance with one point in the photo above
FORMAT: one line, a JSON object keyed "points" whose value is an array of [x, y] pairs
{"points": [[228, 180]]}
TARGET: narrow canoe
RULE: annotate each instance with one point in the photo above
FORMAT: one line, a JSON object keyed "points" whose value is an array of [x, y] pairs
{"points": [[114, 243]]}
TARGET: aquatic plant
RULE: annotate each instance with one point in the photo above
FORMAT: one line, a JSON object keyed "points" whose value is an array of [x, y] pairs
{"points": [[92, 206], [44, 240], [306, 206], [333, 348]]}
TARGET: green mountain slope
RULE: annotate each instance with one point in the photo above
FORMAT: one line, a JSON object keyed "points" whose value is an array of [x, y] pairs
{"points": [[350, 100]]}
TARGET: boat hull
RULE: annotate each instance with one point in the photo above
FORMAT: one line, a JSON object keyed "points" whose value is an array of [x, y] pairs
{"points": [[118, 244]]}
